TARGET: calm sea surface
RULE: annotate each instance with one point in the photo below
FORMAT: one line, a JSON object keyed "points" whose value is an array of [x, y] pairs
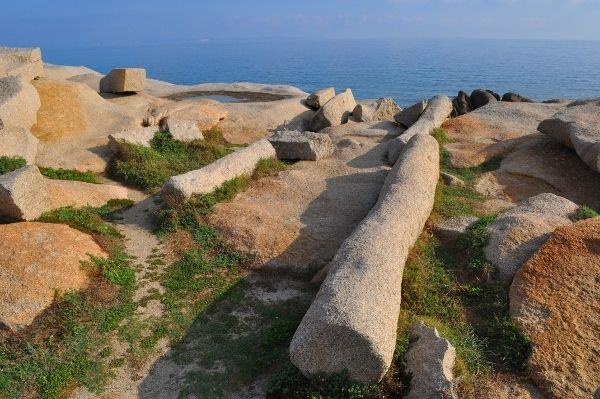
{"points": [[406, 70]]}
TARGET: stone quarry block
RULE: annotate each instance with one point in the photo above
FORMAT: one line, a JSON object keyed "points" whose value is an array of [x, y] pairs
{"points": [[138, 136], [518, 233], [124, 80], [183, 129], [410, 115], [335, 112], [24, 62], [320, 98], [37, 260], [555, 299], [202, 181], [438, 109], [19, 103], [384, 109], [430, 361], [18, 143], [577, 127], [307, 146], [352, 323], [20, 195]]}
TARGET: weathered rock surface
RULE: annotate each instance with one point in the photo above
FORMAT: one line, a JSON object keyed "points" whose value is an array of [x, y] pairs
{"points": [[515, 98], [410, 115], [578, 128], [334, 112], [384, 109], [351, 325], [518, 233], [453, 228], [430, 361], [61, 193], [306, 146], [555, 300], [20, 194], [18, 143], [479, 98], [138, 136], [19, 103], [37, 259], [24, 62], [320, 98], [202, 181], [438, 109], [461, 104], [451, 180], [183, 129], [123, 80]]}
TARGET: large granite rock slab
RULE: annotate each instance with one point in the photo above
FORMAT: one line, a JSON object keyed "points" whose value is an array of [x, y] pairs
{"points": [[555, 301], [307, 146], [335, 112], [410, 115], [24, 62], [138, 136], [183, 129], [202, 181], [38, 260], [384, 109], [22, 196], [124, 80], [578, 128], [19, 103], [430, 361], [352, 323], [18, 143], [518, 233], [61, 193], [320, 98]]}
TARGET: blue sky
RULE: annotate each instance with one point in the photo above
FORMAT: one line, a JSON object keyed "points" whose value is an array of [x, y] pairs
{"points": [[65, 23]]}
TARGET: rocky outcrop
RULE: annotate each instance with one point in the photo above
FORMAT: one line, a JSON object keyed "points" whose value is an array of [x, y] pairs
{"points": [[138, 136], [320, 98], [381, 110], [410, 115], [183, 129], [461, 105], [18, 143], [351, 325], [334, 112], [61, 193], [479, 98], [453, 228], [518, 233], [21, 194], [308, 146], [124, 80], [202, 181], [438, 109], [578, 128], [19, 103], [39, 259], [555, 301], [430, 361], [515, 98], [24, 62]]}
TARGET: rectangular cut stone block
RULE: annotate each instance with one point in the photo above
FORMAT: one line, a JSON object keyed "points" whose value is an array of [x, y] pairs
{"points": [[320, 98], [307, 146], [123, 80]]}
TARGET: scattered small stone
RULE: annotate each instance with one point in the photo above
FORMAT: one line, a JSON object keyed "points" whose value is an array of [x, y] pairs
{"points": [[410, 115], [320, 98], [451, 229], [430, 361], [124, 80], [309, 146]]}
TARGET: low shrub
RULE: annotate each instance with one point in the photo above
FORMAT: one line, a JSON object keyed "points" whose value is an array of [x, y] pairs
{"points": [[9, 164], [69, 174]]}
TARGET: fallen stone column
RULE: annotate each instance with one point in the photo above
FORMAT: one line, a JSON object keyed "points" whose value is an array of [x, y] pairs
{"points": [[438, 109], [351, 325], [202, 181]]}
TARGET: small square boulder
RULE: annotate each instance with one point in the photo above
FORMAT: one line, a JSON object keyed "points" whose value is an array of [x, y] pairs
{"points": [[307, 146], [123, 80]]}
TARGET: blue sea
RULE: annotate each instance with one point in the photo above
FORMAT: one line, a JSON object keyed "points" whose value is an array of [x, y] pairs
{"points": [[406, 70]]}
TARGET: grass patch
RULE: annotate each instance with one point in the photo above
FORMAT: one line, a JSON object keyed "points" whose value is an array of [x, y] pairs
{"points": [[149, 168], [473, 242], [69, 174], [585, 212], [10, 164], [86, 219]]}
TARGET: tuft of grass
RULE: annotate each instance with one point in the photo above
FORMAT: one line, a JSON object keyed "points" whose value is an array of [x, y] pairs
{"points": [[10, 164], [585, 212], [473, 242], [69, 174], [149, 168]]}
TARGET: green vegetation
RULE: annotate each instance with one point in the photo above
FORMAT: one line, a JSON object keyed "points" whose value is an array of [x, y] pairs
{"points": [[9, 164], [585, 212], [69, 174], [68, 345], [149, 168]]}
